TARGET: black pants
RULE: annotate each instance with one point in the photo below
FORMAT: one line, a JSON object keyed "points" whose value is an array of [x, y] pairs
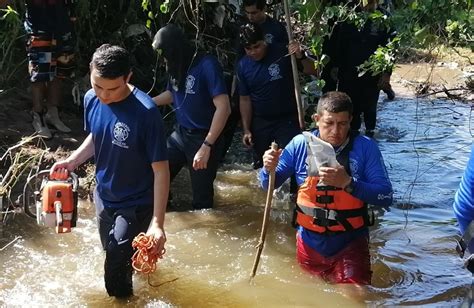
{"points": [[117, 228], [182, 145], [364, 94], [265, 131], [231, 125]]}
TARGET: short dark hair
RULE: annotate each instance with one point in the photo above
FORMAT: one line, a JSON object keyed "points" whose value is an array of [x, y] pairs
{"points": [[250, 34], [111, 61], [259, 4], [334, 101]]}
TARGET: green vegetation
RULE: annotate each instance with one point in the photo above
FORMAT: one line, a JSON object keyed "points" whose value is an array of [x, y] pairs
{"points": [[10, 35], [425, 24]]}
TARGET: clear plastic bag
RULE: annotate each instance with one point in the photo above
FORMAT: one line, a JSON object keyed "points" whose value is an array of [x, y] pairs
{"points": [[320, 154]]}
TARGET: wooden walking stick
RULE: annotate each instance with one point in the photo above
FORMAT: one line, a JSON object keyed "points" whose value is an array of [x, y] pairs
{"points": [[294, 68], [268, 205]]}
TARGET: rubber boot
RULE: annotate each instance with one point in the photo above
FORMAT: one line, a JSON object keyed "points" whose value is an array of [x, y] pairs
{"points": [[52, 117], [40, 126]]}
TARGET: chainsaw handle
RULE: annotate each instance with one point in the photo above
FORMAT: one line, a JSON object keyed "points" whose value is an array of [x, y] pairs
{"points": [[59, 174], [64, 175]]}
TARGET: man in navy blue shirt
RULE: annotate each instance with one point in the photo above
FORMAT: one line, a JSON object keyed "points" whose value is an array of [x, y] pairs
{"points": [[267, 96], [126, 138], [274, 31], [198, 94]]}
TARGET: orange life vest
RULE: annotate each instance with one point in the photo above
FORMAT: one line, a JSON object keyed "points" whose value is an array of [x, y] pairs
{"points": [[328, 209]]}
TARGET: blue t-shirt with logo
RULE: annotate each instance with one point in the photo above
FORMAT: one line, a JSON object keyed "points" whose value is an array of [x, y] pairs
{"points": [[128, 137], [269, 83], [274, 31], [194, 104]]}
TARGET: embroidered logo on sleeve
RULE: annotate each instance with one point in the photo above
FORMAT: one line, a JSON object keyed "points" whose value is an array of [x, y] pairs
{"points": [[121, 133]]}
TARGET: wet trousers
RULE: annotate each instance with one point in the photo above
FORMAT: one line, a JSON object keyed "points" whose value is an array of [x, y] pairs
{"points": [[350, 265], [265, 131], [364, 94], [182, 145], [117, 228]]}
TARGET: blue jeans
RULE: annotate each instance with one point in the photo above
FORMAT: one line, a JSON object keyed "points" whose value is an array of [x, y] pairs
{"points": [[117, 228]]}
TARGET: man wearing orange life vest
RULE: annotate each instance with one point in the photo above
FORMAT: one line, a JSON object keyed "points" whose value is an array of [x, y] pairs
{"points": [[333, 235]]}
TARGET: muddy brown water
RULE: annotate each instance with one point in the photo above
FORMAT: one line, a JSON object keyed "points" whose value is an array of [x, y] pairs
{"points": [[425, 144]]}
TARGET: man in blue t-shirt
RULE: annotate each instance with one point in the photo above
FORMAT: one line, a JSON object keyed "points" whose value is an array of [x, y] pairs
{"points": [[198, 94], [126, 138], [274, 31], [267, 96], [331, 211]]}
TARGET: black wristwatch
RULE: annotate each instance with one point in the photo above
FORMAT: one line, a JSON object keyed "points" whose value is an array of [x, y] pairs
{"points": [[349, 187], [207, 143]]}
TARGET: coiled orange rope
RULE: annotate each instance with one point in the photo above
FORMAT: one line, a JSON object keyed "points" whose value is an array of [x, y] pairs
{"points": [[143, 260]]}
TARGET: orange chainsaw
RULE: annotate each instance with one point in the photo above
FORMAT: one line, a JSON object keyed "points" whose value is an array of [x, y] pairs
{"points": [[55, 199]]}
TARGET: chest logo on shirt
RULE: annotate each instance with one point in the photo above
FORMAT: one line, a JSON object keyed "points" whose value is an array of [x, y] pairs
{"points": [[121, 133], [274, 71], [268, 38], [190, 81]]}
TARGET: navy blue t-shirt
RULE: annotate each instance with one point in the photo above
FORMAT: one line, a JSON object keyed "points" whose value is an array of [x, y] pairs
{"points": [[274, 31], [194, 104], [269, 83], [47, 16], [128, 136]]}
